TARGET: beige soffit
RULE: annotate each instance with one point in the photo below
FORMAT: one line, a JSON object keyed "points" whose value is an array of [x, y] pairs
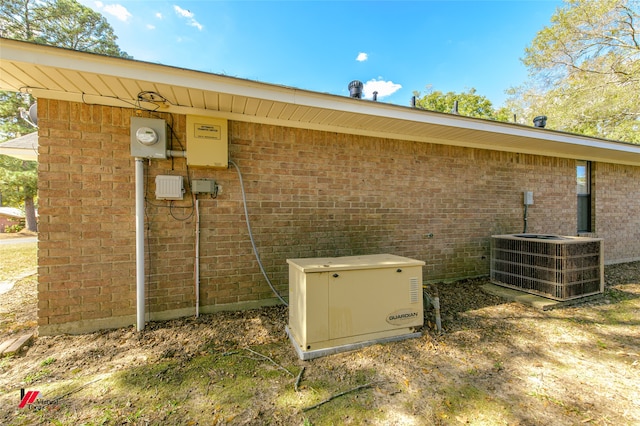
{"points": [[55, 73]]}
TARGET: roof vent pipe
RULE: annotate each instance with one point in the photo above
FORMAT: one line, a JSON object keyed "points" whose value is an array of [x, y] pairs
{"points": [[455, 108], [375, 96], [540, 121], [355, 89]]}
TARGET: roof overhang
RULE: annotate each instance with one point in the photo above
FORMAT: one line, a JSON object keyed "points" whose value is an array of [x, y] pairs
{"points": [[55, 73], [23, 147], [11, 212]]}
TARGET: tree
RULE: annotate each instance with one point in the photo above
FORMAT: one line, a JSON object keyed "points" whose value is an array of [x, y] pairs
{"points": [[62, 23], [11, 123], [19, 20], [19, 185], [470, 104], [585, 70]]}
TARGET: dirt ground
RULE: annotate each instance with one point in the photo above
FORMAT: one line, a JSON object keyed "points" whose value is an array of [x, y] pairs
{"points": [[496, 362]]}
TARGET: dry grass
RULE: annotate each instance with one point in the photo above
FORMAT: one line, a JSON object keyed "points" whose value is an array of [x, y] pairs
{"points": [[17, 259], [496, 363]]}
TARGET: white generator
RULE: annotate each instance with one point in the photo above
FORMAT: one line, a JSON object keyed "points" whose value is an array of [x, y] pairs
{"points": [[338, 304]]}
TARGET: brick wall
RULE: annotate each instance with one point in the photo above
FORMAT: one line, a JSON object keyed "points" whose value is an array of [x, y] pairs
{"points": [[86, 251], [616, 196], [309, 194]]}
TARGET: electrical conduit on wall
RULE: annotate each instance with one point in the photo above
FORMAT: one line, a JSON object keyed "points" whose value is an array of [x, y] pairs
{"points": [[140, 284], [253, 244], [140, 299], [196, 271]]}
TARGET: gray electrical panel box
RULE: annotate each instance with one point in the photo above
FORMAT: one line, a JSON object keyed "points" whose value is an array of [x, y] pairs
{"points": [[148, 138], [207, 186]]}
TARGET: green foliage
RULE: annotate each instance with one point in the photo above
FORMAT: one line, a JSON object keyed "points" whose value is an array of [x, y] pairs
{"points": [[585, 70], [11, 125], [13, 229], [20, 19], [48, 361], [588, 37], [18, 180], [470, 104], [62, 23], [36, 376]]}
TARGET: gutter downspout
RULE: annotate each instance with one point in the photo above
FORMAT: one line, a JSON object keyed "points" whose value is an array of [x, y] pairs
{"points": [[139, 176]]}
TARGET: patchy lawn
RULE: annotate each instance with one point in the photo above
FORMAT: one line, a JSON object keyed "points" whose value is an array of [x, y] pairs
{"points": [[497, 362]]}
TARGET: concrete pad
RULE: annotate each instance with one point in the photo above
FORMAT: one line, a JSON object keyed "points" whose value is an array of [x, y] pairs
{"points": [[5, 286], [528, 299], [307, 355], [536, 301]]}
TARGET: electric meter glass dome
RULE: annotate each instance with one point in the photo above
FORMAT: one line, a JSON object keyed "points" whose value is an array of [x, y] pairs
{"points": [[146, 136]]}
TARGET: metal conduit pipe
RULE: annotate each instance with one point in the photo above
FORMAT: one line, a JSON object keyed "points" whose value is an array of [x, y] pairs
{"points": [[197, 261], [140, 299]]}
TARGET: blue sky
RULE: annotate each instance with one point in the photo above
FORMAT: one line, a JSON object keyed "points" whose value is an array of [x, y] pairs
{"points": [[393, 47]]}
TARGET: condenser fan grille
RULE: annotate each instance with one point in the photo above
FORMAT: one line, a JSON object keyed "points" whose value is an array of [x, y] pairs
{"points": [[557, 267]]}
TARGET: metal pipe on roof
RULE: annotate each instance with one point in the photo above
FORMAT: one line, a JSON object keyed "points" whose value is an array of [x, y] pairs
{"points": [[455, 108], [355, 89]]}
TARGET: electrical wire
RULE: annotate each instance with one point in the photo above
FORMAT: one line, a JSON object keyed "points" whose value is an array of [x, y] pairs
{"points": [[147, 96], [253, 243], [185, 218], [147, 251]]}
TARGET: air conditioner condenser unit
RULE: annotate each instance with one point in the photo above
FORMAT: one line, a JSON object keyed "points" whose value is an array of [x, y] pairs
{"points": [[344, 303], [553, 266]]}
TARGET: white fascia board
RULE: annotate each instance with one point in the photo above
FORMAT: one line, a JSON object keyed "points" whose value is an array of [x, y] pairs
{"points": [[48, 56], [162, 74]]}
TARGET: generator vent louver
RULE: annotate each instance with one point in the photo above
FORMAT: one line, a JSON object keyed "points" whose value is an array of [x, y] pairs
{"points": [[553, 266]]}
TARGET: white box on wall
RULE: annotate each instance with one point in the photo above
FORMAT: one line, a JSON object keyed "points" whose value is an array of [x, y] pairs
{"points": [[169, 187]]}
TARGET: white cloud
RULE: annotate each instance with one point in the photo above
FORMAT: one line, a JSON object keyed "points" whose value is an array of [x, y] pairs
{"points": [[182, 12], [159, 15], [196, 24], [119, 11], [189, 16], [384, 88], [362, 57], [151, 27]]}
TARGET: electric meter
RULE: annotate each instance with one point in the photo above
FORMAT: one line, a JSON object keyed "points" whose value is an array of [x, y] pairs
{"points": [[149, 137], [146, 136]]}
